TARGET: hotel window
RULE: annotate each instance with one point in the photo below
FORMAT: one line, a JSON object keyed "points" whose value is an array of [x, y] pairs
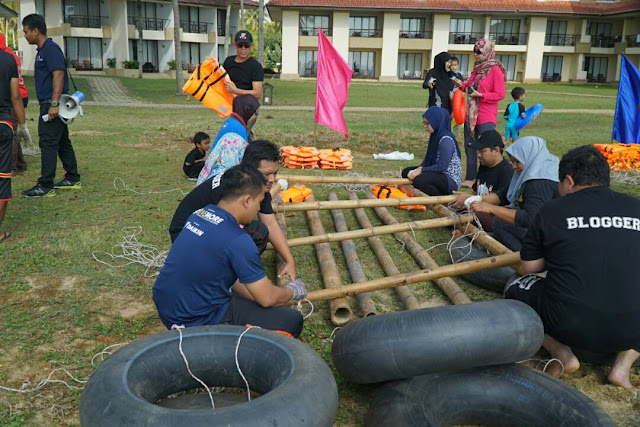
{"points": [[308, 63], [409, 65], [309, 25], [509, 62], [363, 64], [551, 68], [364, 26]]}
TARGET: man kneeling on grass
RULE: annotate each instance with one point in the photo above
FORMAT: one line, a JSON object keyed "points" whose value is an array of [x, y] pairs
{"points": [[588, 241], [213, 273]]}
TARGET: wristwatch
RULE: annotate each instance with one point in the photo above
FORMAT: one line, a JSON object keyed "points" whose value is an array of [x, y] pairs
{"points": [[54, 104]]}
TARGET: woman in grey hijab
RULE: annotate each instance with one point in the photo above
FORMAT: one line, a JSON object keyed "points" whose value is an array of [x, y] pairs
{"points": [[534, 183]]}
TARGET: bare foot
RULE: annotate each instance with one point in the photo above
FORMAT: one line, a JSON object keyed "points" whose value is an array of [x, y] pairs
{"points": [[564, 354], [619, 374], [467, 183]]}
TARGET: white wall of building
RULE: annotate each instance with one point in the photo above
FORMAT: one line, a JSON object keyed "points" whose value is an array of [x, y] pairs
{"points": [[290, 44], [390, 41]]}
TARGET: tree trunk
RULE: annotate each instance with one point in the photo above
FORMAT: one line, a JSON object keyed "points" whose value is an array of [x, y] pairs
{"points": [[261, 33], [227, 30], [178, 47], [242, 14], [139, 8]]}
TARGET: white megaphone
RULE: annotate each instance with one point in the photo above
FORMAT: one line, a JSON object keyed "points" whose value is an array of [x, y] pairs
{"points": [[70, 107]]}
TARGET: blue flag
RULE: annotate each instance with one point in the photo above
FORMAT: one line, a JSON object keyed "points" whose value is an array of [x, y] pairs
{"points": [[626, 123]]}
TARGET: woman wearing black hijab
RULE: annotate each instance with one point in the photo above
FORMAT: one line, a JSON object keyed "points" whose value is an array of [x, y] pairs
{"points": [[439, 82]]}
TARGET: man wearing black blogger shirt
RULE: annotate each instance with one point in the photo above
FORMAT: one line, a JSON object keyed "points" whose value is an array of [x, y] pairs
{"points": [[245, 72], [588, 241]]}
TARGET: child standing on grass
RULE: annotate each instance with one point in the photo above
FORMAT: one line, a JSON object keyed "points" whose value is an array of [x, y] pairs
{"points": [[194, 162], [513, 111]]}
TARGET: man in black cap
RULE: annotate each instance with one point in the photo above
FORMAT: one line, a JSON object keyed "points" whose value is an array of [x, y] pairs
{"points": [[245, 72], [494, 173]]}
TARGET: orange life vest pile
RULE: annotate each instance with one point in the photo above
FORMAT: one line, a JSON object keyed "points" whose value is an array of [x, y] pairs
{"points": [[311, 158], [300, 157], [385, 192], [621, 156]]}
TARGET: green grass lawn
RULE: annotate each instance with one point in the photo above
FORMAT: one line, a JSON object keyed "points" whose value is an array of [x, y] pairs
{"points": [[59, 306]]}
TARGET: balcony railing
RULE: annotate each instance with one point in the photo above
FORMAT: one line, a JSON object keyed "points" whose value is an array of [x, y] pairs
{"points": [[150, 24], [195, 27], [546, 77], [604, 41], [633, 41], [309, 72], [513, 39], [416, 34], [86, 21], [464, 38], [313, 31], [599, 78], [232, 30], [561, 39], [365, 33]]}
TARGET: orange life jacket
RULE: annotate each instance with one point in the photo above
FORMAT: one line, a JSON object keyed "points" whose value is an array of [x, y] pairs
{"points": [[384, 192], [206, 84], [295, 194]]}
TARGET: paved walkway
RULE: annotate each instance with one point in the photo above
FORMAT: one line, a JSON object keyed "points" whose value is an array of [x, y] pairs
{"points": [[108, 92]]}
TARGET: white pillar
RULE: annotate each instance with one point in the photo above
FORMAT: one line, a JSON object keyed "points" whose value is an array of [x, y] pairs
{"points": [[340, 38], [584, 35], [618, 67], [487, 26], [27, 7], [290, 20], [119, 31], [440, 42], [533, 65], [580, 74], [390, 43]]}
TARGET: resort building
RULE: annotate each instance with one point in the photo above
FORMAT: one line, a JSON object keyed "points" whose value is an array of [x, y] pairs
{"points": [[536, 40], [100, 34]]}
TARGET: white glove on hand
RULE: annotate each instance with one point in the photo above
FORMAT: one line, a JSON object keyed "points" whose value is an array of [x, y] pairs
{"points": [[299, 289], [23, 134]]}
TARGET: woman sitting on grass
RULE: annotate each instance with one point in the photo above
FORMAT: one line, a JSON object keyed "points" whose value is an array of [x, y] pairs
{"points": [[534, 183], [440, 172], [230, 142]]}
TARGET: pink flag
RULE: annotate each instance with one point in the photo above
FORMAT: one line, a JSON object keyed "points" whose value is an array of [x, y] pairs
{"points": [[332, 88]]}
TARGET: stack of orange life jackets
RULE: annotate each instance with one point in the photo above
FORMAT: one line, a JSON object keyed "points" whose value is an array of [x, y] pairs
{"points": [[337, 158], [621, 156], [295, 194], [300, 157]]}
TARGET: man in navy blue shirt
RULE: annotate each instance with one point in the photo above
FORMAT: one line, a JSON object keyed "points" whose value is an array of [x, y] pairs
{"points": [[213, 272], [51, 82]]}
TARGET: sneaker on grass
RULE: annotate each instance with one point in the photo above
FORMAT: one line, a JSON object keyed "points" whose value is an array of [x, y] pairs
{"points": [[39, 191], [67, 184]]}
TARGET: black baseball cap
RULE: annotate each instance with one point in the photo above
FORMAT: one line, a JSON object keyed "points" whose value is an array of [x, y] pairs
{"points": [[244, 36], [488, 139]]}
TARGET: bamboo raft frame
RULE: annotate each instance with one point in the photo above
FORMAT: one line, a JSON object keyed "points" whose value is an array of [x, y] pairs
{"points": [[357, 203], [321, 179]]}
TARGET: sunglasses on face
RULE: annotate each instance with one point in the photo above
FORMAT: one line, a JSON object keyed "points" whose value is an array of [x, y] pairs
{"points": [[243, 46], [477, 52]]}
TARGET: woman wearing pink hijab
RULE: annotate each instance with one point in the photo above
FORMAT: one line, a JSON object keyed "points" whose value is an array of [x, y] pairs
{"points": [[486, 87]]}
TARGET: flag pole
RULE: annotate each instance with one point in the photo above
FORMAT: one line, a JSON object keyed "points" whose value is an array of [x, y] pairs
{"points": [[315, 134]]}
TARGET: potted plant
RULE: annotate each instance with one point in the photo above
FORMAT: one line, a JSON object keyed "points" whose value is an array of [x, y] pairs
{"points": [[111, 66]]}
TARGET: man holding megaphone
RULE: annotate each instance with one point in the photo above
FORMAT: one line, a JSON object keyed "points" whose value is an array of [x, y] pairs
{"points": [[52, 82]]}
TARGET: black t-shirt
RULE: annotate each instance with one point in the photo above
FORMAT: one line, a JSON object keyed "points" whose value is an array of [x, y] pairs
{"points": [[243, 74], [496, 178], [207, 193], [8, 71], [535, 194], [590, 241], [194, 170]]}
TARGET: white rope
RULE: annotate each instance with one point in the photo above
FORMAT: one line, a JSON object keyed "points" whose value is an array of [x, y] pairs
{"points": [[126, 187], [330, 339], [238, 363], [24, 388], [352, 186], [105, 351], [626, 177], [299, 307], [133, 252], [546, 362], [186, 362]]}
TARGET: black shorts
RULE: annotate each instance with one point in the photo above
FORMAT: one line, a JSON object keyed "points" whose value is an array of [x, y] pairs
{"points": [[242, 311], [6, 166], [528, 289]]}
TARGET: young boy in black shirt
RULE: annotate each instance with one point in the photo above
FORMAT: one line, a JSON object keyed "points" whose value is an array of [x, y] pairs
{"points": [[588, 241], [194, 162]]}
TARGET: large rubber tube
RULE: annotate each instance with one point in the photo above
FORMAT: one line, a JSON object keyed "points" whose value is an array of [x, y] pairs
{"points": [[494, 279], [507, 395], [401, 345], [297, 388]]}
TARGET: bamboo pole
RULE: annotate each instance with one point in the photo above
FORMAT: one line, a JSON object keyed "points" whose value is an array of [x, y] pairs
{"points": [[352, 204], [483, 239], [367, 308], [285, 279], [377, 231], [341, 313], [446, 284], [404, 292], [416, 277], [320, 179]]}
